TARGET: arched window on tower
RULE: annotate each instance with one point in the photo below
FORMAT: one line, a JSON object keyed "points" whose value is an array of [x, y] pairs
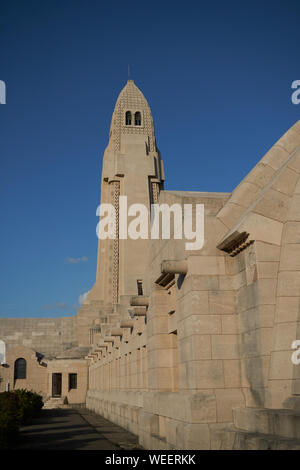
{"points": [[137, 119], [128, 118], [20, 369]]}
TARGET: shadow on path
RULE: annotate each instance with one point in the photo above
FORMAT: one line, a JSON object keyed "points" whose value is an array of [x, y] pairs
{"points": [[62, 429]]}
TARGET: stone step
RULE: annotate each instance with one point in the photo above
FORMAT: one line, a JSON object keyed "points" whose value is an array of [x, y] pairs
{"points": [[255, 441], [55, 402], [283, 423]]}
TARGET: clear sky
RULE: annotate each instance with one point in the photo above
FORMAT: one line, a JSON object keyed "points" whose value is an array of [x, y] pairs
{"points": [[217, 76]]}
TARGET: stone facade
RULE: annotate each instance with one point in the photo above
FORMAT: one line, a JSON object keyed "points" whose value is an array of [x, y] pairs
{"points": [[49, 347], [36, 373], [187, 349]]}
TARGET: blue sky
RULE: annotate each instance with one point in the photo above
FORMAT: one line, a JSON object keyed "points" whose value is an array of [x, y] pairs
{"points": [[217, 76]]}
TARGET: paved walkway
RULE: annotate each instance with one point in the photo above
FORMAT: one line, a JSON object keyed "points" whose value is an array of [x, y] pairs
{"points": [[74, 429]]}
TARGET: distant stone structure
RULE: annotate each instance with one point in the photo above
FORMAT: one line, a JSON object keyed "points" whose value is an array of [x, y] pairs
{"points": [[186, 349]]}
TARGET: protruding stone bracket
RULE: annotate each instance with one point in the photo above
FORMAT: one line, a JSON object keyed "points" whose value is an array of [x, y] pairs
{"points": [[140, 311], [165, 280], [116, 332], [235, 243], [174, 267], [102, 346], [127, 323], [109, 339], [139, 301]]}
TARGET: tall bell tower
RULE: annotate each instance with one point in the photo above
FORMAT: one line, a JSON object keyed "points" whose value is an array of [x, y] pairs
{"points": [[132, 167]]}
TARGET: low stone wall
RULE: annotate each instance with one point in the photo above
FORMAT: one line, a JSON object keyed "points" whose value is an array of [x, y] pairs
{"points": [[120, 407], [158, 419]]}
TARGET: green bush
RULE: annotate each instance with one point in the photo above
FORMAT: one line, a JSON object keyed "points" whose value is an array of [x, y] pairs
{"points": [[16, 408], [30, 403], [9, 418]]}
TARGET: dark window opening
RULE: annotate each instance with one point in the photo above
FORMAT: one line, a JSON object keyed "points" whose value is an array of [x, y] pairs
{"points": [[72, 381], [128, 118], [140, 287], [137, 119], [20, 369]]}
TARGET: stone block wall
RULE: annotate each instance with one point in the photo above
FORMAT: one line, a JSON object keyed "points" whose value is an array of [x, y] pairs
{"points": [[48, 336]]}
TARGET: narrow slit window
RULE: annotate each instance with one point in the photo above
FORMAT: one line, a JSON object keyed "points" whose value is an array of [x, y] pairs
{"points": [[137, 119], [140, 287], [128, 118]]}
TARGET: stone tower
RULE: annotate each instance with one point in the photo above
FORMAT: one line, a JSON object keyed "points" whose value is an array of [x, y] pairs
{"points": [[132, 167]]}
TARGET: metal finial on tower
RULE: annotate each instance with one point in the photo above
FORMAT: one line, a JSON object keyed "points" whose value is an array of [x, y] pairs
{"points": [[128, 72]]}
